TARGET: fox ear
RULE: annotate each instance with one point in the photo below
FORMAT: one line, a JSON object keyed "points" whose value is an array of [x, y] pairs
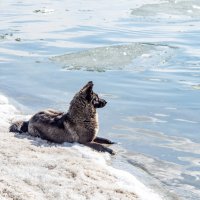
{"points": [[87, 89]]}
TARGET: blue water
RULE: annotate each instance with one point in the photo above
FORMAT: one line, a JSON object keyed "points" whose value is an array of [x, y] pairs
{"points": [[151, 78]]}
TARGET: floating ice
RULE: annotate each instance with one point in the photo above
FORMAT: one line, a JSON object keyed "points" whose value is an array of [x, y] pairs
{"points": [[178, 9], [44, 11], [147, 119], [134, 56]]}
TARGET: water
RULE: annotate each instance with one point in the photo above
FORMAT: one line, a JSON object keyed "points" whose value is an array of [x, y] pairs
{"points": [[143, 58]]}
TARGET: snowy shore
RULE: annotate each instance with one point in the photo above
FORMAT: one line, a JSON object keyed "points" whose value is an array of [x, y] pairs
{"points": [[32, 168]]}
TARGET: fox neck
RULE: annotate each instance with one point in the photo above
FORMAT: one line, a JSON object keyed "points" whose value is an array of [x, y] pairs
{"points": [[79, 114], [97, 123]]}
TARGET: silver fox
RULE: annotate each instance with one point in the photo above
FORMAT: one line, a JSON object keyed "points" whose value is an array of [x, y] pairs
{"points": [[79, 124]]}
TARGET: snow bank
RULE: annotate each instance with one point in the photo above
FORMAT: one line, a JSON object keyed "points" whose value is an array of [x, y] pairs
{"points": [[32, 168]]}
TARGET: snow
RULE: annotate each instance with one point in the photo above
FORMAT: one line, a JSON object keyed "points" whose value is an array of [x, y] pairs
{"points": [[32, 168]]}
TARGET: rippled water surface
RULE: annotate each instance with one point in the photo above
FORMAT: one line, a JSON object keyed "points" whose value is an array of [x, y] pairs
{"points": [[144, 59]]}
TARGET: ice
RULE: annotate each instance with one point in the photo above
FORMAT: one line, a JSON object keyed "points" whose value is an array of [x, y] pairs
{"points": [[44, 11], [134, 56], [170, 9], [32, 168]]}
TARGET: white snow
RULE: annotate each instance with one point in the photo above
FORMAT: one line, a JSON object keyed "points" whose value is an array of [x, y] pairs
{"points": [[32, 168]]}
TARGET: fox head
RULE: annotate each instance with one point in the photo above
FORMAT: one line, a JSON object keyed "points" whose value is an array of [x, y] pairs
{"points": [[83, 107], [87, 94], [84, 104]]}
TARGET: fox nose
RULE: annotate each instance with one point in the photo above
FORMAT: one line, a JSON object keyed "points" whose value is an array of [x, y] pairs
{"points": [[103, 103]]}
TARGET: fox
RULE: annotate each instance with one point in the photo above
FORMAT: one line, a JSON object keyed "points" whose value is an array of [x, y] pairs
{"points": [[79, 124]]}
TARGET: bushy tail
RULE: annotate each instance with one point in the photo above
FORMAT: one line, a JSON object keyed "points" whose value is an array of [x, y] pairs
{"points": [[19, 127]]}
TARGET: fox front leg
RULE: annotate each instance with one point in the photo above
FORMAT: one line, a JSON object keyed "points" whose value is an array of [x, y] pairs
{"points": [[99, 147], [103, 141]]}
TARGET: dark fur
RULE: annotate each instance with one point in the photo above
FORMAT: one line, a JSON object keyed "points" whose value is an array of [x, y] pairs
{"points": [[79, 124]]}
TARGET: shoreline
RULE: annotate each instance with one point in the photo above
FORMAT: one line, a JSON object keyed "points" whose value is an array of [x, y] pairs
{"points": [[36, 169]]}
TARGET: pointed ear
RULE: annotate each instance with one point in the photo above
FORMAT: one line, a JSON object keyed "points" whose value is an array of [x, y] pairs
{"points": [[87, 89]]}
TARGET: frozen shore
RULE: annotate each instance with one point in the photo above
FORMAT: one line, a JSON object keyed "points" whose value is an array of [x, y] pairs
{"points": [[32, 168]]}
